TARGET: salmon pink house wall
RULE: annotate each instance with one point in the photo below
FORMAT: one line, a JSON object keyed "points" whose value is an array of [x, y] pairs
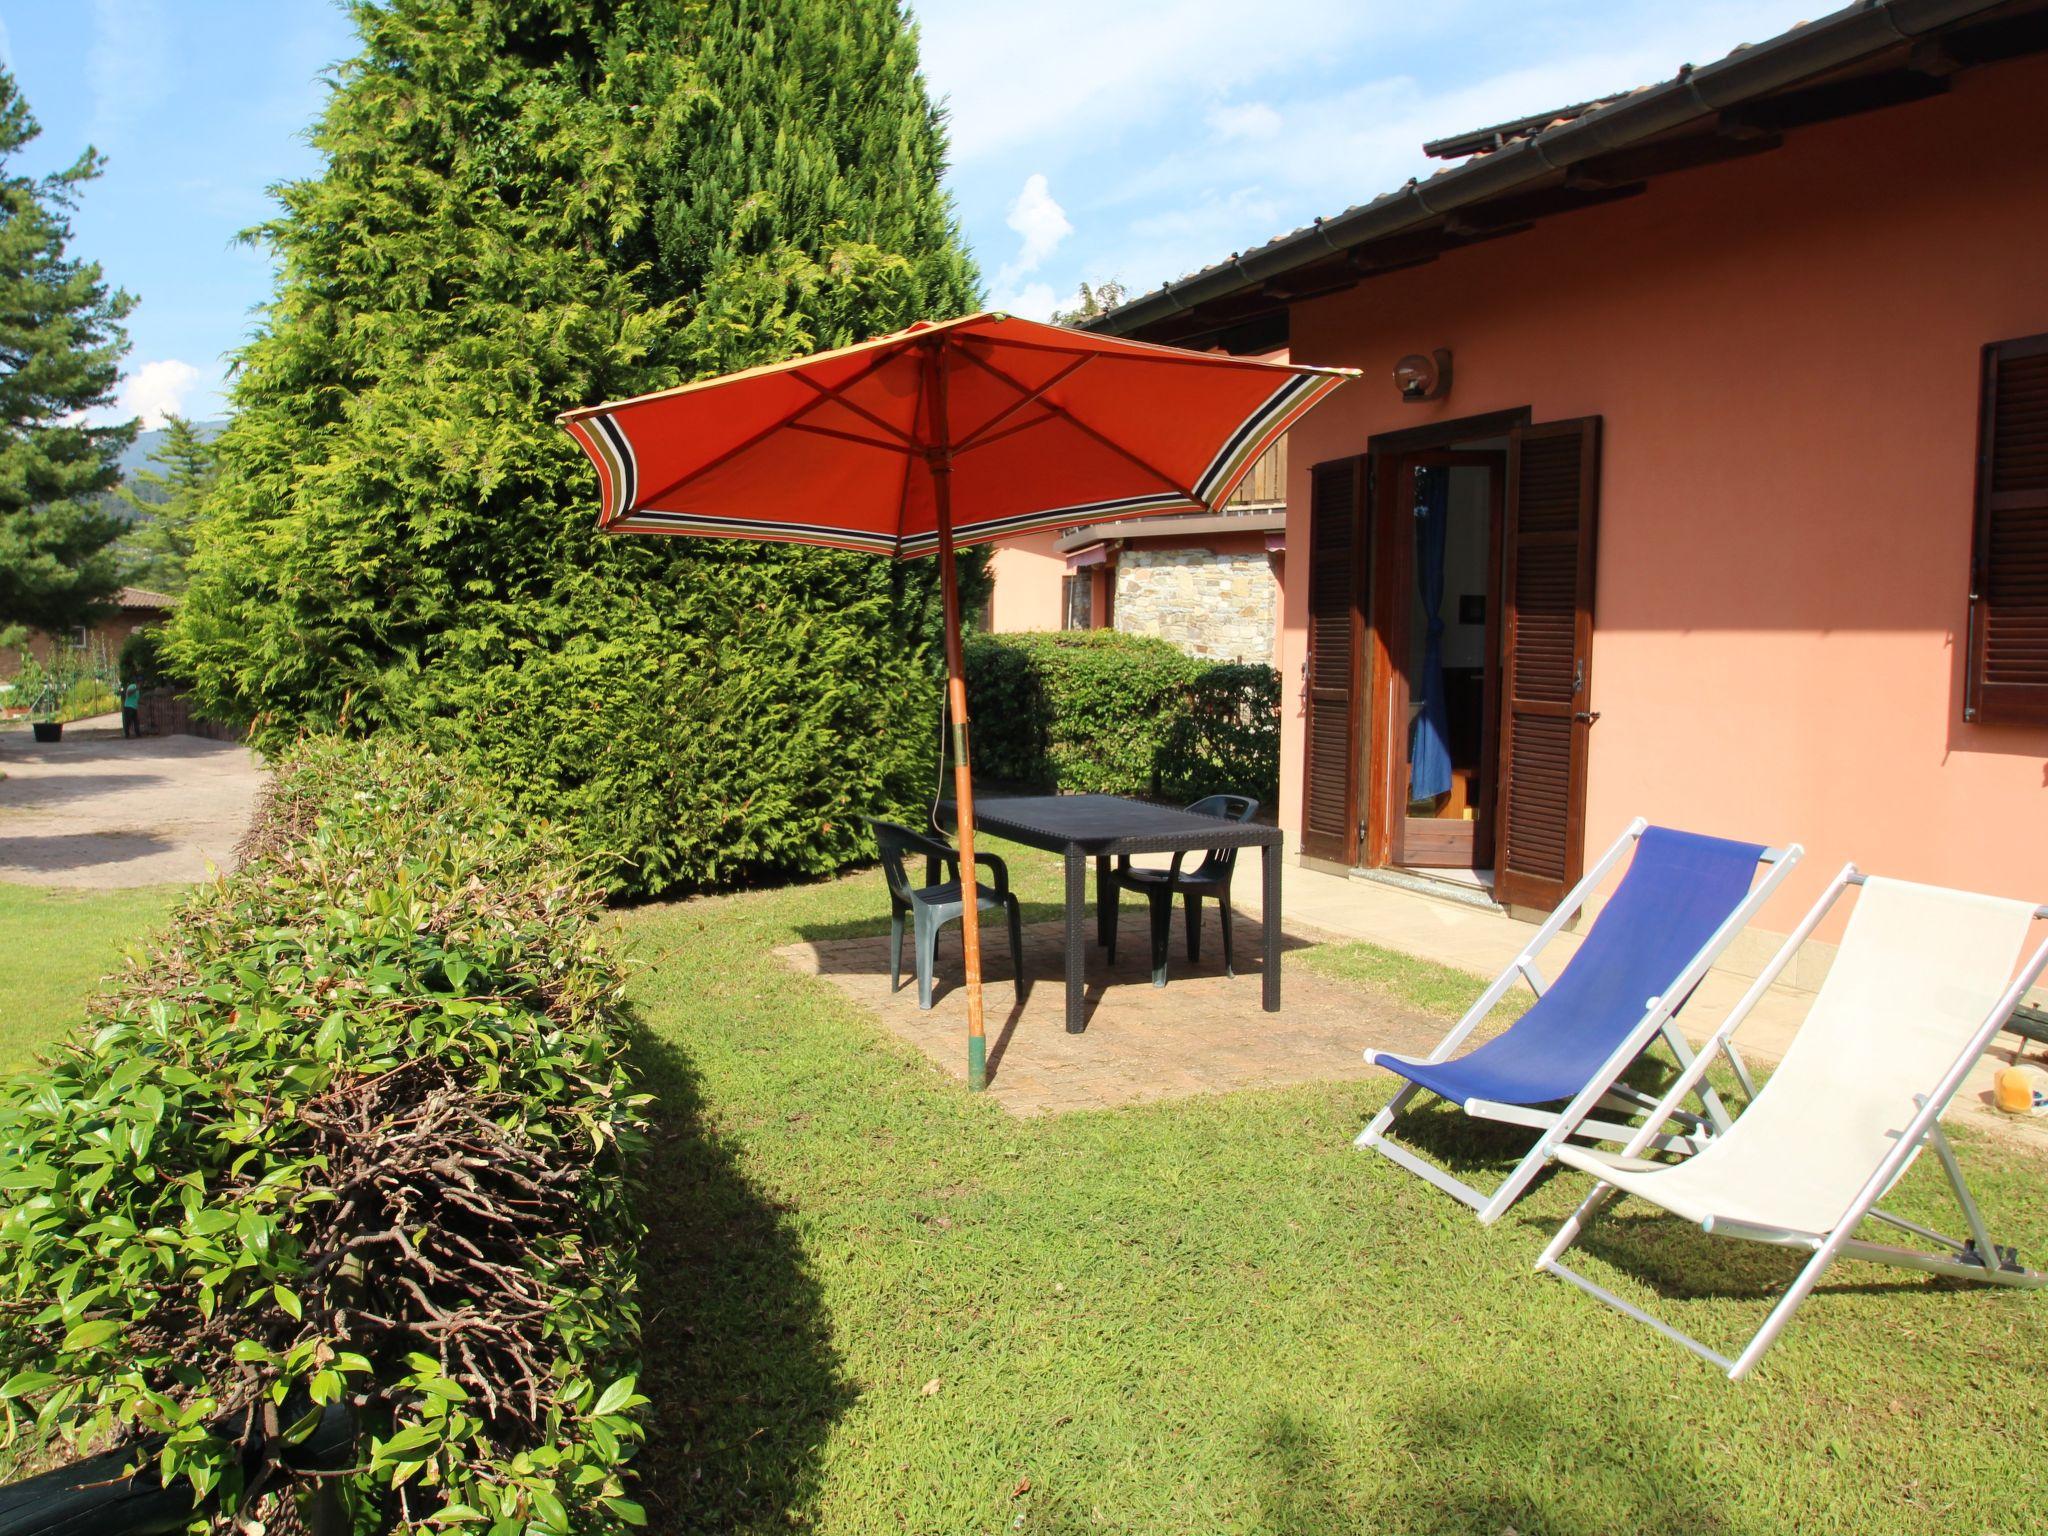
{"points": [[1784, 350], [1027, 575]]}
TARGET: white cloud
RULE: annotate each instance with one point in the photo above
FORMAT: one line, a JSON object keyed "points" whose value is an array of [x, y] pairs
{"points": [[1059, 70], [1179, 133], [1039, 222], [156, 390], [127, 65], [1034, 301], [1247, 120], [1338, 148], [1210, 217]]}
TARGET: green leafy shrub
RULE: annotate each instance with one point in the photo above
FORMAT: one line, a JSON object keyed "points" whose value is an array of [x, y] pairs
{"points": [[1229, 736], [353, 1134], [1095, 711], [74, 684]]}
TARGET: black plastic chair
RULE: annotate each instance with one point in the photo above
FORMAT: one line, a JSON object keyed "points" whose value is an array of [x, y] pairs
{"points": [[1210, 878], [937, 902]]}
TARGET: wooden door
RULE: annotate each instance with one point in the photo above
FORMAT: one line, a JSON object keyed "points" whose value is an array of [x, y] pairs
{"points": [[1546, 659], [1336, 556]]}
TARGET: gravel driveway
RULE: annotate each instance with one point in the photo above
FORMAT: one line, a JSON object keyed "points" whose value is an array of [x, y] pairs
{"points": [[94, 810]]}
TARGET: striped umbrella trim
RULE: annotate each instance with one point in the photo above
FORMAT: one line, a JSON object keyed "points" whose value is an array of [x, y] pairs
{"points": [[775, 530], [987, 529], [705, 525], [609, 430], [608, 447], [1285, 406]]}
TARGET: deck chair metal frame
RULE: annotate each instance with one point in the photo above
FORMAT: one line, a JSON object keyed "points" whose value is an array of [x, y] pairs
{"points": [[1604, 1090], [1975, 1258]]}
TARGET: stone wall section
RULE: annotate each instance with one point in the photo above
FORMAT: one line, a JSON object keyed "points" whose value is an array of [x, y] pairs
{"points": [[1220, 607]]}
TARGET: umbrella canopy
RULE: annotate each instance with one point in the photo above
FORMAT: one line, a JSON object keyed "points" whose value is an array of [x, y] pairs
{"points": [[961, 432], [1044, 427]]}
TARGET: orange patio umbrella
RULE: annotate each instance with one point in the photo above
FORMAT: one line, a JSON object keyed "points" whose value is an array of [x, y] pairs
{"points": [[947, 434]]}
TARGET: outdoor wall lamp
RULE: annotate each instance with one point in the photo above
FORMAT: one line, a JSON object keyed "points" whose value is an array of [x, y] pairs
{"points": [[1422, 378]]}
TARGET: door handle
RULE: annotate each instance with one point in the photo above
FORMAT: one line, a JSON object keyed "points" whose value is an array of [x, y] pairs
{"points": [[1586, 716]]}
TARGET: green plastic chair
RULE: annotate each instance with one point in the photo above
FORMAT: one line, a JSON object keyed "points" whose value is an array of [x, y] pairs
{"points": [[1210, 878], [937, 902]]}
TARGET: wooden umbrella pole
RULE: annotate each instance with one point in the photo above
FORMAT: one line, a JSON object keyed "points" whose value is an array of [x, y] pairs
{"points": [[939, 455]]}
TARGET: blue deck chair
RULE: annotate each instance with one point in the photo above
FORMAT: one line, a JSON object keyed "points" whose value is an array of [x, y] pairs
{"points": [[1682, 902]]}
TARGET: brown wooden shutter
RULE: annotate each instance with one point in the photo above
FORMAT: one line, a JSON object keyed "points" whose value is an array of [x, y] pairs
{"points": [[1335, 555], [2007, 681], [1546, 661]]}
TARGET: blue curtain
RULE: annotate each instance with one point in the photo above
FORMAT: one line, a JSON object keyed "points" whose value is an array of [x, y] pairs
{"points": [[1429, 738]]}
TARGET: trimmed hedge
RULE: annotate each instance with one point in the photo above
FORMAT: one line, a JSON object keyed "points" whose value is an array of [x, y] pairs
{"points": [[726, 720], [355, 1132], [1095, 711]]}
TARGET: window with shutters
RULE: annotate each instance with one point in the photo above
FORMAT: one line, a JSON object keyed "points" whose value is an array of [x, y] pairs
{"points": [[2007, 678]]}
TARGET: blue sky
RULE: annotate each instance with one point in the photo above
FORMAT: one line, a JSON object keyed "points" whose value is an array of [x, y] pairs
{"points": [[1127, 139]]}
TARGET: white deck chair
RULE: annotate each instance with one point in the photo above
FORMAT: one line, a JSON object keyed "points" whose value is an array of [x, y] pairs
{"points": [[1923, 981], [1683, 901]]}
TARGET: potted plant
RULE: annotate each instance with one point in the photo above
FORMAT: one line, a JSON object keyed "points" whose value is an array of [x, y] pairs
{"points": [[34, 692], [42, 714]]}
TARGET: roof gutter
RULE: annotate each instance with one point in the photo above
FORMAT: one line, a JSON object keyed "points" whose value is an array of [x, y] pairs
{"points": [[1171, 526], [1696, 94]]}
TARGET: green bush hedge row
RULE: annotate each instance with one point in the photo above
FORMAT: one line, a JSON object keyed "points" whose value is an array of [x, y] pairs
{"points": [[1108, 713], [355, 1133]]}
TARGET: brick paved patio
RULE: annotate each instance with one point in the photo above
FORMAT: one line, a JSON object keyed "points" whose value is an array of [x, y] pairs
{"points": [[1203, 1033]]}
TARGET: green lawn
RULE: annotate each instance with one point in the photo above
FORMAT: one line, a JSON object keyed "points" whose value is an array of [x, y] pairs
{"points": [[877, 1304], [54, 945]]}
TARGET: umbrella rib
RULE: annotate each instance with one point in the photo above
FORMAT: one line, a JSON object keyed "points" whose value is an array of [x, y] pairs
{"points": [[849, 437], [920, 450], [761, 436], [973, 438], [1081, 426], [1010, 431], [859, 410]]}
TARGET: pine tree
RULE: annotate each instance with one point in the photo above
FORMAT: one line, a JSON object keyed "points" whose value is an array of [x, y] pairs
{"points": [[61, 344], [166, 501], [540, 204]]}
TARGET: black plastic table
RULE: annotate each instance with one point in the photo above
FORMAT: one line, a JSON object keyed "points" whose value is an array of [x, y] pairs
{"points": [[1101, 827]]}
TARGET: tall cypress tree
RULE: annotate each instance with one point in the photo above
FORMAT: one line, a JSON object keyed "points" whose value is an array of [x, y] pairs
{"points": [[808, 207], [61, 344], [539, 204]]}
